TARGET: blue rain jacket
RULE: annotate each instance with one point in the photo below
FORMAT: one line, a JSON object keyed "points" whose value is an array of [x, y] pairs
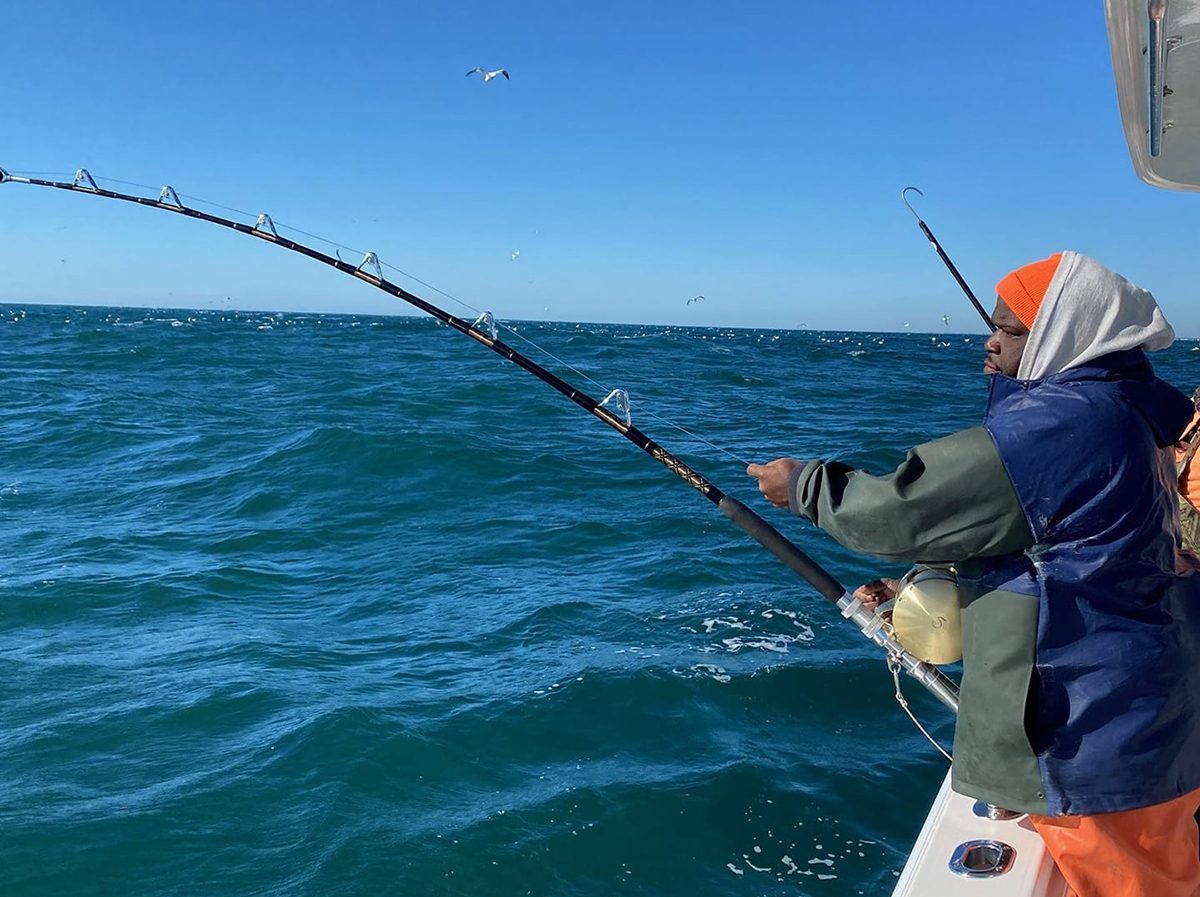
{"points": [[1116, 722]]}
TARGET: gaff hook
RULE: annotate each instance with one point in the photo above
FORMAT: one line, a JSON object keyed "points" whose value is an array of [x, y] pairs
{"points": [[904, 199], [945, 258]]}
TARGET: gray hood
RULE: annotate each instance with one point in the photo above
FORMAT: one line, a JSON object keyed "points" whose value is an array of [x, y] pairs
{"points": [[1089, 311]]}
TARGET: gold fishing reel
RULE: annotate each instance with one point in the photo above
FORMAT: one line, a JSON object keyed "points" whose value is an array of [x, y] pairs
{"points": [[926, 614]]}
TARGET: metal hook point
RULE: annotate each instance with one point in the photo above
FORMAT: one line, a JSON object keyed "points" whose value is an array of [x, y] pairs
{"points": [[904, 199]]}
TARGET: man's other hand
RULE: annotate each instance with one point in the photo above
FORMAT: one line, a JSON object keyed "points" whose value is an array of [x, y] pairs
{"points": [[773, 479]]}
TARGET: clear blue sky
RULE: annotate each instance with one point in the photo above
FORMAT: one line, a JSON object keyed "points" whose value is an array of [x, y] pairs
{"points": [[641, 154]]}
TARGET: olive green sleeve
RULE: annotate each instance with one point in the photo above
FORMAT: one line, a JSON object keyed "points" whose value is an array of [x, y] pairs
{"points": [[949, 500]]}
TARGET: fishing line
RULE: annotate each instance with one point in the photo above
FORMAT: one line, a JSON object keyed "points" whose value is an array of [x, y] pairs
{"points": [[47, 174], [499, 324], [556, 359], [483, 331], [894, 668]]}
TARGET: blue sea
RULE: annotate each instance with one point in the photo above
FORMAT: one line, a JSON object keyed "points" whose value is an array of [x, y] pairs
{"points": [[329, 605]]}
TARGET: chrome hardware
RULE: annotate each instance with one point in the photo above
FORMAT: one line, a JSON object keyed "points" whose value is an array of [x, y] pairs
{"points": [[982, 859], [167, 195], [486, 322], [1156, 11], [82, 177], [878, 632], [373, 260], [264, 223], [620, 400], [991, 811]]}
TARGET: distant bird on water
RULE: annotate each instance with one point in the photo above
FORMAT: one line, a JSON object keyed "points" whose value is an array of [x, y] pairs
{"points": [[488, 76], [694, 299]]}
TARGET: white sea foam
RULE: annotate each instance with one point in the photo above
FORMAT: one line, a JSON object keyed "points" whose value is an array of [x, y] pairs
{"points": [[708, 670], [730, 622]]}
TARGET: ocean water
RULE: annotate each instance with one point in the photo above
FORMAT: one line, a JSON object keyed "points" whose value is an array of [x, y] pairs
{"points": [[329, 605]]}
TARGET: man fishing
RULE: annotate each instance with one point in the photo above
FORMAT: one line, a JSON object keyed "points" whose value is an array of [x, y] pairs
{"points": [[1080, 695]]}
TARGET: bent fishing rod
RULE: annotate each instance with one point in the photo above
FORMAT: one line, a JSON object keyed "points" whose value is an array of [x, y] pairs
{"points": [[483, 331], [987, 320]]}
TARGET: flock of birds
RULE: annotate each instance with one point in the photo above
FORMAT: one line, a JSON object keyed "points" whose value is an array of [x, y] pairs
{"points": [[945, 322]]}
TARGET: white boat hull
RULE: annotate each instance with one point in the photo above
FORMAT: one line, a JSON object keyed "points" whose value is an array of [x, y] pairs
{"points": [[952, 822]]}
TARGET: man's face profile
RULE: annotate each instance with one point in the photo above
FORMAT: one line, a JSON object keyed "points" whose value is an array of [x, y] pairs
{"points": [[1006, 345]]}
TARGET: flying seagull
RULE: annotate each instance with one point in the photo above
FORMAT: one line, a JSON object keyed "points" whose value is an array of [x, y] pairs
{"points": [[516, 255], [946, 320], [693, 299], [488, 76]]}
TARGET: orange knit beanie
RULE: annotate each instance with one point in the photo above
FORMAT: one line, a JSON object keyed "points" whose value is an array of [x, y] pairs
{"points": [[1024, 289]]}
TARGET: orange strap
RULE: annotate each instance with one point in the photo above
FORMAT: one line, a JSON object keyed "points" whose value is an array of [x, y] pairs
{"points": [[1151, 852], [1187, 462]]}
